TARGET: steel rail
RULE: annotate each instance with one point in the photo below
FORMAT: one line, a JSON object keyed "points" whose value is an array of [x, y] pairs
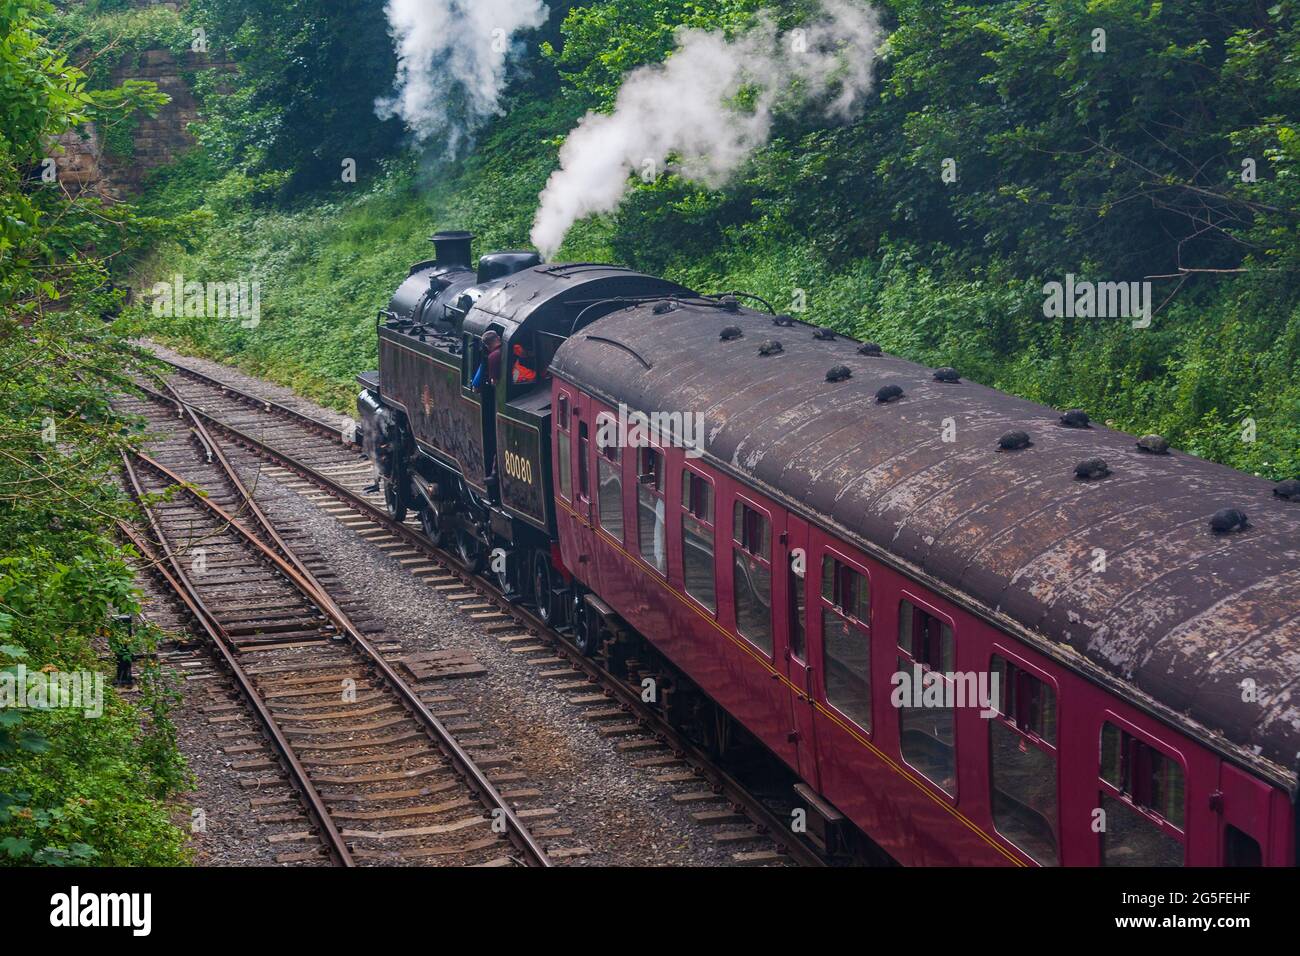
{"points": [[284, 411], [185, 589], [735, 792], [296, 571]]}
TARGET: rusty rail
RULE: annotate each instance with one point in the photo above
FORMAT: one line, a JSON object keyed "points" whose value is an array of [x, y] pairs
{"points": [[184, 588]]}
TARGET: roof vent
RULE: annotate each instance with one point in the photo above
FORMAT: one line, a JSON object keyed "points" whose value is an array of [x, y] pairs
{"points": [[1076, 418], [1153, 445], [1014, 441], [869, 348], [1228, 520], [730, 303], [784, 321], [663, 308], [1091, 469], [889, 393], [770, 347], [825, 334], [947, 375], [1289, 489], [840, 373], [730, 332]]}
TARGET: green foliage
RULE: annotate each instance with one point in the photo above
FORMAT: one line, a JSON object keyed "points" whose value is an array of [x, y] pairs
{"points": [[304, 99], [603, 41], [73, 788], [106, 36], [1124, 158]]}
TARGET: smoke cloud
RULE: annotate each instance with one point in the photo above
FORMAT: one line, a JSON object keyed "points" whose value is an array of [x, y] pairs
{"points": [[451, 62], [688, 107]]}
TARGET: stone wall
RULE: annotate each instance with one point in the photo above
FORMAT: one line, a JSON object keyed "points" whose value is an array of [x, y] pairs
{"points": [[78, 156], [85, 166], [159, 139]]}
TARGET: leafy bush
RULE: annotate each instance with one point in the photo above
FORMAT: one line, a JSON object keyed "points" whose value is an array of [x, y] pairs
{"points": [[72, 788]]}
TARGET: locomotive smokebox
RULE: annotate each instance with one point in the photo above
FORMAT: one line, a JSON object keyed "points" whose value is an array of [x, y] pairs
{"points": [[452, 248]]}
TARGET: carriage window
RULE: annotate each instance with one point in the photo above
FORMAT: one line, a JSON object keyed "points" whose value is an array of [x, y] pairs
{"points": [[1023, 761], [584, 483], [697, 539], [752, 575], [798, 614], [562, 463], [609, 465], [926, 733], [650, 508], [1240, 849], [846, 641], [845, 589], [1143, 797], [697, 496]]}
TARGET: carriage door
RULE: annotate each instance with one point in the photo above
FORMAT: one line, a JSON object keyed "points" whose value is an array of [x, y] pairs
{"points": [[1243, 819], [798, 572], [583, 473]]}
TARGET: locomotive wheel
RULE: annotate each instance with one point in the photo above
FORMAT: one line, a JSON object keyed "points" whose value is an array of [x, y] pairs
{"points": [[586, 631], [543, 588], [431, 517], [505, 574], [395, 500], [470, 549]]}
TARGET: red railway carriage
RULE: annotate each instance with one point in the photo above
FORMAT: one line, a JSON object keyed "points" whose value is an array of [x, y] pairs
{"points": [[825, 551]]}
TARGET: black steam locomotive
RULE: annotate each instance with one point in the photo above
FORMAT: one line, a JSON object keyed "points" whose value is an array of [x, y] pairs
{"points": [[470, 456]]}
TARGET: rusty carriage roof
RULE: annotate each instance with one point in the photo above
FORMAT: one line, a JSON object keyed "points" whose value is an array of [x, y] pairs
{"points": [[1179, 620]]}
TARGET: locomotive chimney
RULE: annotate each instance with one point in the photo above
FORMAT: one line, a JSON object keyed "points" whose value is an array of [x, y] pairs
{"points": [[452, 248]]}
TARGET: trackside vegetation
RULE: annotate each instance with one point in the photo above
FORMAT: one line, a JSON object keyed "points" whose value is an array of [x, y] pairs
{"points": [[94, 783]]}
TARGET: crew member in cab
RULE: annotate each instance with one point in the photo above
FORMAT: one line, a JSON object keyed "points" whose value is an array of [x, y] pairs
{"points": [[489, 371], [520, 373]]}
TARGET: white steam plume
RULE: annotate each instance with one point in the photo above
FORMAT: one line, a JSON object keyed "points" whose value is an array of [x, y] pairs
{"points": [[451, 62], [686, 106]]}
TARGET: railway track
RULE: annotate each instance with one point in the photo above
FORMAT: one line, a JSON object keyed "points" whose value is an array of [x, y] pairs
{"points": [[319, 460], [382, 778]]}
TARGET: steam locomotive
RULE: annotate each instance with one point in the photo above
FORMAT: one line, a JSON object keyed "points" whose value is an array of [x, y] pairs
{"points": [[977, 631]]}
